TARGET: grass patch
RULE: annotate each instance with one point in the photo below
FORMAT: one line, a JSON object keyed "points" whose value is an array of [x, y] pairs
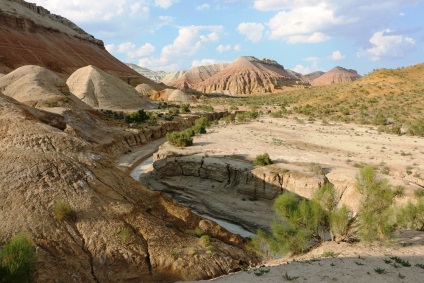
{"points": [[62, 211]]}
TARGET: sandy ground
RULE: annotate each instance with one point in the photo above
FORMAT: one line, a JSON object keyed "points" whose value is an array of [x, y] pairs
{"points": [[340, 148], [332, 262]]}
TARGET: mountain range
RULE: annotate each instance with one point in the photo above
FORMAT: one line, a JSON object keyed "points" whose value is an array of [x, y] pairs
{"points": [[246, 75]]}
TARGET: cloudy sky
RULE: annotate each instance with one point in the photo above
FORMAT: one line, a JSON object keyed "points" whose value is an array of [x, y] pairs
{"points": [[302, 35]]}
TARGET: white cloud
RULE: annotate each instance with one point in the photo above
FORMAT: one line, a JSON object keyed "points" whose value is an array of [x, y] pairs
{"points": [[132, 51], [302, 69], [313, 66], [87, 11], [165, 4], [305, 24], [312, 38], [237, 47], [387, 45], [275, 5], [204, 62], [203, 7], [222, 48], [189, 41], [253, 31], [337, 56]]}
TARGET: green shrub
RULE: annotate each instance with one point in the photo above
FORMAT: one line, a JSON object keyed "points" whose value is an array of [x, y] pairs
{"points": [[137, 117], [198, 232], [185, 108], [262, 160], [180, 139], [124, 234], [17, 259], [299, 221], [411, 216], [340, 222], [205, 241], [62, 211], [375, 215]]}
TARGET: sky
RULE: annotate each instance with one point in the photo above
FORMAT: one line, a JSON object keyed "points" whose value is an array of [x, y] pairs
{"points": [[302, 35]]}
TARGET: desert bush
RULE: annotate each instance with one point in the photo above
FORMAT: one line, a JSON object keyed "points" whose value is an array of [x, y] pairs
{"points": [[62, 211], [205, 241], [411, 216], [375, 215], [316, 168], [228, 119], [340, 222], [262, 160], [136, 117], [17, 259], [417, 128], [198, 232], [185, 108], [124, 234], [299, 221], [247, 116], [180, 139]]}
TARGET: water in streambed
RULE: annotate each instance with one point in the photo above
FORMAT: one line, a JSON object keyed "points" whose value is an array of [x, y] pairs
{"points": [[147, 166]]}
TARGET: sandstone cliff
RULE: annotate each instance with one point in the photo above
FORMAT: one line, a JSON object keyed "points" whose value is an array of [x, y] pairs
{"points": [[30, 35], [336, 75], [249, 75]]}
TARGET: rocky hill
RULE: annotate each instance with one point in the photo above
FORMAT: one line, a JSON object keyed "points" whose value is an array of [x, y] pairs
{"points": [[249, 75], [101, 90], [170, 77], [334, 76], [155, 76], [120, 231], [196, 75], [31, 35], [314, 75]]}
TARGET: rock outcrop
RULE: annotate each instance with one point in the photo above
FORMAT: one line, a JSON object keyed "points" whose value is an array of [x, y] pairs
{"points": [[336, 75], [249, 75], [313, 76], [155, 76], [101, 90], [180, 96], [196, 75], [171, 77], [31, 35]]}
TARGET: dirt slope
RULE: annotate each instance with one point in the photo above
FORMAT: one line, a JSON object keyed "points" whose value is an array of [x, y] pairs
{"points": [[41, 164]]}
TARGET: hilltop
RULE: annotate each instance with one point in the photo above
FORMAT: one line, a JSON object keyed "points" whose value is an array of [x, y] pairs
{"points": [[31, 35]]}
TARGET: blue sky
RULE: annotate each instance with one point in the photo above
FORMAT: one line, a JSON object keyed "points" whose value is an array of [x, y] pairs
{"points": [[302, 35]]}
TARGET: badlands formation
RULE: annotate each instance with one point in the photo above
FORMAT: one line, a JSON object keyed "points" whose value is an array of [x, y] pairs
{"points": [[64, 139]]}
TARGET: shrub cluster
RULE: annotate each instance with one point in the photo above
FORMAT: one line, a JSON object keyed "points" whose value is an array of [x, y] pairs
{"points": [[262, 160], [300, 220], [247, 116], [17, 259], [185, 138], [137, 117], [62, 211]]}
